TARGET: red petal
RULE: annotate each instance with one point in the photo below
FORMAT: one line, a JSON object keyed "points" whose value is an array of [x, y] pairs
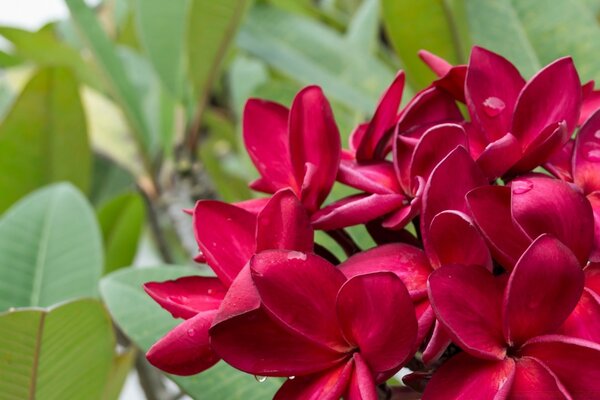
{"points": [[253, 206], [226, 237], [586, 160], [300, 290], [455, 240], [492, 87], [560, 163], [376, 177], [542, 290], [314, 140], [573, 361], [594, 199], [384, 118], [284, 224], [437, 64], [362, 384], [545, 205], [584, 321], [327, 385], [541, 149], [590, 104], [467, 301], [490, 208], [552, 95], [186, 349], [185, 297], [534, 381], [356, 209], [267, 142], [436, 346], [376, 314], [407, 262], [465, 377], [499, 156]]}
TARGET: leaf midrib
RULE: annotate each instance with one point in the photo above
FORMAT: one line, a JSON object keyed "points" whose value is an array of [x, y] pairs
{"points": [[36, 357]]}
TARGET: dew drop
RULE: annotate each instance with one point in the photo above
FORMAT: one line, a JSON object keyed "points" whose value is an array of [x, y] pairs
{"points": [[597, 134], [493, 106], [296, 255], [593, 155], [191, 332], [210, 291], [260, 379], [521, 186], [292, 377], [178, 299]]}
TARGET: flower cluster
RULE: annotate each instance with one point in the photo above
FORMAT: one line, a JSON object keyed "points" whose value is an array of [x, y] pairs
{"points": [[485, 281]]}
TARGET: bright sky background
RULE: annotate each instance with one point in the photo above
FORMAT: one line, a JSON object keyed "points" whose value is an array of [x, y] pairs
{"points": [[32, 14]]}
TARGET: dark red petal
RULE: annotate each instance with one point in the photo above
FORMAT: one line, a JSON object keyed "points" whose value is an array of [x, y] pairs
{"points": [[584, 321], [185, 297], [490, 208], [560, 163], [362, 384], [376, 177], [356, 209], [444, 192], [186, 349], [455, 240], [284, 224], [594, 199], [492, 87], [267, 142], [590, 104], [376, 314], [499, 156], [467, 301], [586, 160], [541, 149], [466, 377], [253, 206], [545, 205], [407, 262], [300, 291], [314, 141], [534, 381], [437, 64], [573, 361], [325, 385], [226, 237], [542, 290], [552, 95], [384, 118], [436, 346]]}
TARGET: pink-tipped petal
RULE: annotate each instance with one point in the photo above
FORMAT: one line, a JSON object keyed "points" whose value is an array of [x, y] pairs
{"points": [[362, 385], [586, 160], [185, 297], [437, 64], [226, 237], [467, 378], [545, 205], [534, 381], [490, 208], [384, 118], [467, 301], [492, 87], [407, 262], [375, 177], [573, 361], [326, 385], [455, 240], [498, 156], [584, 321], [284, 224], [552, 95], [186, 349], [376, 314], [542, 290], [300, 290], [356, 209], [267, 141], [314, 140]]}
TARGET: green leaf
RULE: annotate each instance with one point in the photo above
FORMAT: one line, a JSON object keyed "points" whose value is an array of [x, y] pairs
{"points": [[423, 24], [144, 322], [121, 366], [62, 353], [109, 180], [161, 30], [121, 220], [534, 33], [312, 53], [212, 25], [113, 69], [50, 249], [43, 138], [363, 30]]}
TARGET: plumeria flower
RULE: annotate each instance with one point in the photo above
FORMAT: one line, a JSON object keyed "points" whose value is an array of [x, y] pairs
{"points": [[507, 330], [228, 236], [297, 148], [293, 314], [451, 78], [584, 321]]}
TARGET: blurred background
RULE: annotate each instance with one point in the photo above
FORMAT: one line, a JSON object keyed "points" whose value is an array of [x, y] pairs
{"points": [[117, 114]]}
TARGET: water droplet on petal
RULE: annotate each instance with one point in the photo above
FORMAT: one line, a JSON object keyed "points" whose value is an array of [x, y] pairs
{"points": [[296, 255], [593, 155], [291, 377], [191, 332], [493, 106], [177, 299], [260, 379], [210, 291], [521, 186], [597, 134]]}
